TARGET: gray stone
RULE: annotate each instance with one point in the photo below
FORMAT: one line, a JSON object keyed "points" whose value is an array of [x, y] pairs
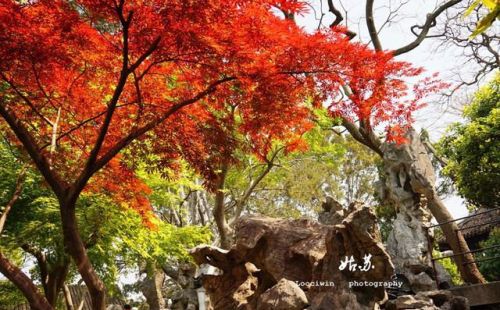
{"points": [[285, 295], [410, 302], [408, 173], [437, 299], [333, 212]]}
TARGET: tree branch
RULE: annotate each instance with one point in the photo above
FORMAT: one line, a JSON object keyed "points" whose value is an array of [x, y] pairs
{"points": [[430, 22], [359, 135], [142, 130], [334, 11], [372, 29], [23, 283], [41, 162], [15, 196], [241, 202]]}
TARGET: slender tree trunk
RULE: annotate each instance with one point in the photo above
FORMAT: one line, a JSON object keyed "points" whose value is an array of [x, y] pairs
{"points": [[52, 275], [220, 220], [219, 210], [76, 249], [465, 263], [55, 282], [151, 288], [35, 299]]}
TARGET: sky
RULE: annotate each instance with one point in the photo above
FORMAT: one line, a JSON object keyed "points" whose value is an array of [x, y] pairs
{"points": [[437, 116]]}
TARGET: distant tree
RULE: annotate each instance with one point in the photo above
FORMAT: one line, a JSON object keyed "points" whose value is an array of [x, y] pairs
{"points": [[334, 165], [472, 149], [490, 265], [115, 235]]}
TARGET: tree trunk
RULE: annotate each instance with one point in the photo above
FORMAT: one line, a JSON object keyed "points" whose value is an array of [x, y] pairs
{"points": [[52, 275], [219, 210], [55, 282], [36, 300], [76, 249], [409, 177], [468, 269]]}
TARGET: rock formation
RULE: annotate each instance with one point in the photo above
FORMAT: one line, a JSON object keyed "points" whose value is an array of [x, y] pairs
{"points": [[430, 300], [407, 242], [269, 253], [285, 295], [409, 185]]}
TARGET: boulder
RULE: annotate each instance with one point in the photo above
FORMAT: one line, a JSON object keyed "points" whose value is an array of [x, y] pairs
{"points": [[445, 300], [332, 213], [428, 300], [410, 302], [305, 252], [285, 295]]}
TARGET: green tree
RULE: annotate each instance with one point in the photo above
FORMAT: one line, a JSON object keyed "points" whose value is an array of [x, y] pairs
{"points": [[473, 151], [115, 236], [9, 294], [333, 165], [489, 262]]}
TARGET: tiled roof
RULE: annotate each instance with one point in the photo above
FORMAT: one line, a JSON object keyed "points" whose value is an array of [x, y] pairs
{"points": [[483, 221]]}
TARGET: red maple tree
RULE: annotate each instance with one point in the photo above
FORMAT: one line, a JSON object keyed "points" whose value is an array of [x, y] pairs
{"points": [[81, 80]]}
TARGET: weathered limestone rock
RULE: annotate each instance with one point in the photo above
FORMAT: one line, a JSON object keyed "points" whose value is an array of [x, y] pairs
{"points": [[184, 295], [445, 300], [444, 278], [407, 242], [409, 185], [285, 295], [306, 252], [410, 302], [333, 212], [429, 300], [151, 288]]}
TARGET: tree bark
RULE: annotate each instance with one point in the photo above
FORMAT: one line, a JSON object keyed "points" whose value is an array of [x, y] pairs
{"points": [[36, 300], [219, 210], [52, 275], [76, 249], [465, 263], [55, 282]]}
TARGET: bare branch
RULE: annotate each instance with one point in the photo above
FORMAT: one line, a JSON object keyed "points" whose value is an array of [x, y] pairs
{"points": [[370, 23], [430, 22], [334, 11]]}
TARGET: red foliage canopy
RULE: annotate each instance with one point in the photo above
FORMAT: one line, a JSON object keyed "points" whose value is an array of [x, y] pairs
{"points": [[117, 70]]}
